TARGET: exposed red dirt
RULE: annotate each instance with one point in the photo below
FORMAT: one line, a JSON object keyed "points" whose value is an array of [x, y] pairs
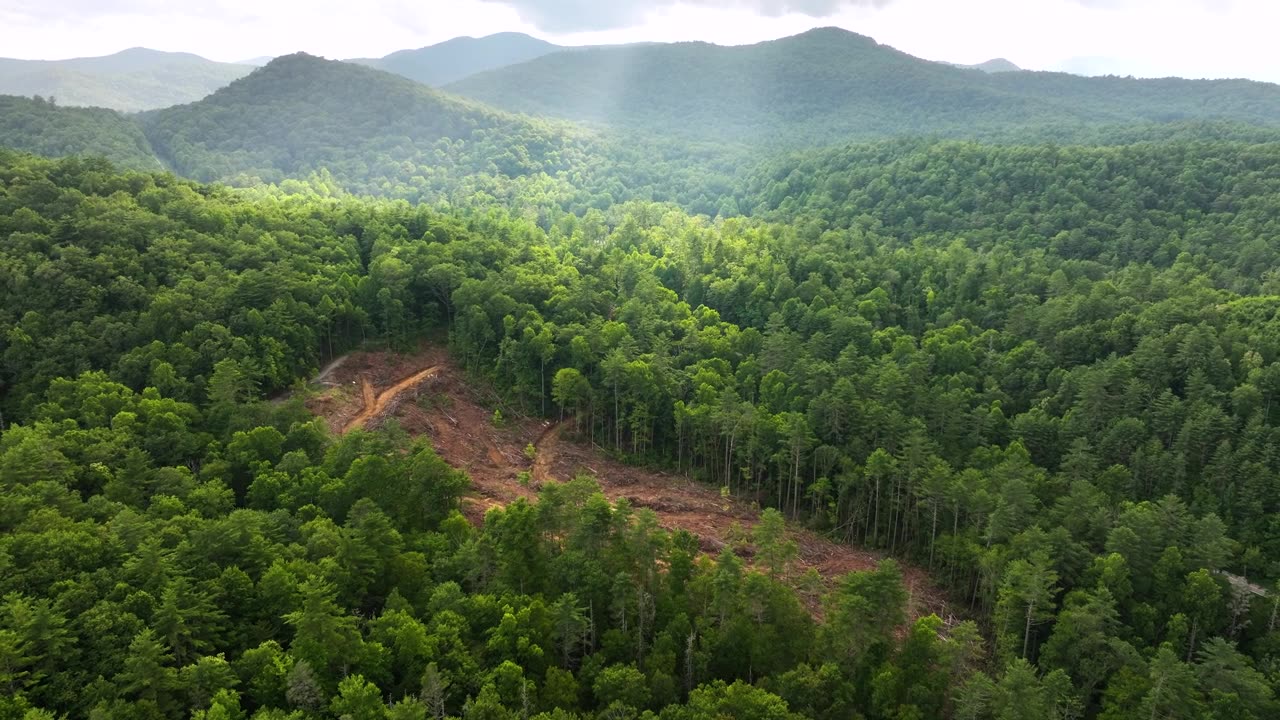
{"points": [[375, 407], [428, 396]]}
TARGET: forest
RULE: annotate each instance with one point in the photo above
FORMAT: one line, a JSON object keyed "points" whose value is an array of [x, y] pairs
{"points": [[1042, 374], [1014, 334]]}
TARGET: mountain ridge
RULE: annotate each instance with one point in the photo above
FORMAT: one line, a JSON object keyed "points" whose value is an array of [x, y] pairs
{"points": [[301, 113], [131, 80], [994, 65], [833, 85], [461, 57]]}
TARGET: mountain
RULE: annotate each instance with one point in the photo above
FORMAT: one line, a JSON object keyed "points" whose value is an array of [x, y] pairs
{"points": [[371, 132], [831, 85], [129, 81], [300, 113], [41, 127], [461, 57], [997, 65]]}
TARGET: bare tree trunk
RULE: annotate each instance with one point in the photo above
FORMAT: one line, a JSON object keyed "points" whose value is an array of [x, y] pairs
{"points": [[933, 533], [1026, 632]]}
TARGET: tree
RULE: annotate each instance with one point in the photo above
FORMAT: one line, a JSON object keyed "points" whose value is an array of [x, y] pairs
{"points": [[1026, 597], [863, 613], [435, 691], [774, 549], [1202, 599], [358, 699], [1173, 691], [147, 673], [324, 636], [622, 684]]}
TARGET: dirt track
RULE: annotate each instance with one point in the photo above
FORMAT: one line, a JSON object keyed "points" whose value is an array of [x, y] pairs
{"points": [[375, 406], [460, 425]]}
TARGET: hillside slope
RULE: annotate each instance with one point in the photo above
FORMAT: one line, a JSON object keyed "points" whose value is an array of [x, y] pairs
{"points": [[300, 113], [830, 85], [42, 128], [455, 59], [129, 81]]}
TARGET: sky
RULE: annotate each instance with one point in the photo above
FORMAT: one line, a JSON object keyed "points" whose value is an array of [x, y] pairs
{"points": [[1145, 38]]}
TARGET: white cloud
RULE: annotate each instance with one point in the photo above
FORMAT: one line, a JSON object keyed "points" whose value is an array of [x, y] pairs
{"points": [[590, 15]]}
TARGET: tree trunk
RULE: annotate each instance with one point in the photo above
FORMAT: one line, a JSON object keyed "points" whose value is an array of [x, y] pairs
{"points": [[933, 534], [1026, 632]]}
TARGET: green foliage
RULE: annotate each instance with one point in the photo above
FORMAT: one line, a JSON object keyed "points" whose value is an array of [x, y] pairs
{"points": [[1044, 373], [37, 125]]}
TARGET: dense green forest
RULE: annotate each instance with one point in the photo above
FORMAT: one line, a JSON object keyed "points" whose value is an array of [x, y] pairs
{"points": [[1044, 374], [1015, 332], [39, 125]]}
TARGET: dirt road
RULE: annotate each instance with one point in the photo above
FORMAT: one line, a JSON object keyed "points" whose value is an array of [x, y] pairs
{"points": [[376, 406]]}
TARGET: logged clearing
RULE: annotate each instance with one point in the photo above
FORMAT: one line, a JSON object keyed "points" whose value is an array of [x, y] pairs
{"points": [[429, 397]]}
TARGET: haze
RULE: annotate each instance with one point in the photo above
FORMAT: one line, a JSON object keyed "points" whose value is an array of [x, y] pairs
{"points": [[1145, 38]]}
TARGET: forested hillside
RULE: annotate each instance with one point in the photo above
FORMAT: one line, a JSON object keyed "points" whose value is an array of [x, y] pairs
{"points": [[172, 547], [1005, 341], [128, 81], [680, 122], [1043, 374], [829, 86], [359, 130], [39, 125]]}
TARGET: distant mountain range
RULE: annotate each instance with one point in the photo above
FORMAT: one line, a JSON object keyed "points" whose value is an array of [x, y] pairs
{"points": [[830, 85], [301, 113], [998, 65], [597, 110], [458, 58], [130, 80]]}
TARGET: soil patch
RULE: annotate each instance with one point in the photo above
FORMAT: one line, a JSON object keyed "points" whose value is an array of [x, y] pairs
{"points": [[429, 397]]}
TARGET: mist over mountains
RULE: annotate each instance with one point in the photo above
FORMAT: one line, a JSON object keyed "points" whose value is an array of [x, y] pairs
{"points": [[130, 80]]}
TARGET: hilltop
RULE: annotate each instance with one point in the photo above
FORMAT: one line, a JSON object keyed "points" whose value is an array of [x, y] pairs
{"points": [[376, 133], [996, 65], [300, 113], [455, 59], [129, 81]]}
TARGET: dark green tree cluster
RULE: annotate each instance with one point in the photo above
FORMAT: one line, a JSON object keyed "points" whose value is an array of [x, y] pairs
{"points": [[188, 289], [39, 125]]}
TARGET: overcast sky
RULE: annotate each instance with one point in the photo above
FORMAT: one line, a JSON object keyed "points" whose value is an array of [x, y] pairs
{"points": [[1190, 38]]}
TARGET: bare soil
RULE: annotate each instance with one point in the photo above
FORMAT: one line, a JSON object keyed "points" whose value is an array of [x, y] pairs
{"points": [[429, 397]]}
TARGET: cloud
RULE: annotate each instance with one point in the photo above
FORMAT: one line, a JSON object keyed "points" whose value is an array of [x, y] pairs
{"points": [[1220, 6], [566, 16]]}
